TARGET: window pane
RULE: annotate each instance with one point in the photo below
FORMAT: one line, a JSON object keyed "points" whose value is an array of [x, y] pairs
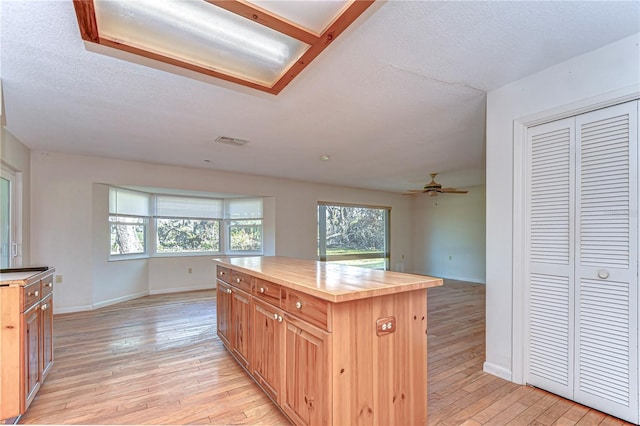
{"points": [[353, 235], [352, 230], [246, 235], [187, 235], [127, 235]]}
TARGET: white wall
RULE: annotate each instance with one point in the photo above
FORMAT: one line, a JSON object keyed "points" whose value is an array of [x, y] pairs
{"points": [[449, 237], [606, 73], [17, 157], [69, 225]]}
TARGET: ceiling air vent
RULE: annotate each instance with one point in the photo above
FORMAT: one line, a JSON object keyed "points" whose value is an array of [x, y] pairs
{"points": [[231, 141]]}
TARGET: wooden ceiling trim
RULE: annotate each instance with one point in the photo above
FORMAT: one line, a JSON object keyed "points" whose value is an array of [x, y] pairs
{"points": [[263, 17], [86, 15]]}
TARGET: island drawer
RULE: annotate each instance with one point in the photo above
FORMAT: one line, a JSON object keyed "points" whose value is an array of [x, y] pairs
{"points": [[224, 274], [267, 291], [47, 285], [241, 280], [32, 294], [308, 308]]}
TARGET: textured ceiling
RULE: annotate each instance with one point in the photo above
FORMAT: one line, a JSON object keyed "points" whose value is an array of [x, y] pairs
{"points": [[398, 95]]}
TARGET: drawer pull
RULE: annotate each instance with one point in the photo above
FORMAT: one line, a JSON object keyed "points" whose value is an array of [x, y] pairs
{"points": [[49, 284], [279, 318], [298, 305], [44, 307], [229, 290], [35, 293], [221, 273], [261, 289], [275, 316]]}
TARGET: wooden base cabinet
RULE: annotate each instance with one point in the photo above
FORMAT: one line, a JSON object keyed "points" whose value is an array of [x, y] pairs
{"points": [[267, 366], [223, 313], [240, 324], [307, 377], [358, 361], [26, 338]]}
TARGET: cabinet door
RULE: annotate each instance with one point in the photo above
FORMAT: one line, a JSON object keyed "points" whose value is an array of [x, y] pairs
{"points": [[31, 354], [307, 378], [223, 317], [46, 313], [241, 324], [268, 360]]}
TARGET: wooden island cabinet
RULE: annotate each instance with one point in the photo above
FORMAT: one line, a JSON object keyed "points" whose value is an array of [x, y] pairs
{"points": [[26, 337], [329, 344]]}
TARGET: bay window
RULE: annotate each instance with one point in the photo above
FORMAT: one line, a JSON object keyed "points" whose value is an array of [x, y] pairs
{"points": [[144, 224]]}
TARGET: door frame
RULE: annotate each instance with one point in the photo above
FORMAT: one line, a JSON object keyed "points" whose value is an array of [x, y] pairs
{"points": [[15, 216], [519, 260]]}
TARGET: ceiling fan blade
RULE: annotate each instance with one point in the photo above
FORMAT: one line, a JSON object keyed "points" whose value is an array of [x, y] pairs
{"points": [[452, 191]]}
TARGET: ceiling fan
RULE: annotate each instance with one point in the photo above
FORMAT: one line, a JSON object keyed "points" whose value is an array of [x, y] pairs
{"points": [[434, 188]]}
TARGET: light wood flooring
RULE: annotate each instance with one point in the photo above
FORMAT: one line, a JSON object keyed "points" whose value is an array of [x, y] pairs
{"points": [[157, 360]]}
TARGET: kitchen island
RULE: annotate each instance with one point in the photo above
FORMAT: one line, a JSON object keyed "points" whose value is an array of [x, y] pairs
{"points": [[329, 344]]}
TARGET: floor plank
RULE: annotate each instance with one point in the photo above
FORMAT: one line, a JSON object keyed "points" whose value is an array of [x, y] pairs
{"points": [[157, 360]]}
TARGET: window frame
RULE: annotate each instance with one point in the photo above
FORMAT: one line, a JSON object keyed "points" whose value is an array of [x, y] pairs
{"points": [[227, 232], [322, 240], [126, 256]]}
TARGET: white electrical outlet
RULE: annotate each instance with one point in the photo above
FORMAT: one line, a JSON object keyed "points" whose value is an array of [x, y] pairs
{"points": [[58, 279]]}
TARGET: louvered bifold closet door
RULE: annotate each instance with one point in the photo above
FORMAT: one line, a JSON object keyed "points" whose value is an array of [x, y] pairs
{"points": [[606, 260], [550, 253]]}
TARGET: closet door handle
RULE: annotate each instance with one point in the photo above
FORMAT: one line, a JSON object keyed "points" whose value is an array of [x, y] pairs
{"points": [[603, 274]]}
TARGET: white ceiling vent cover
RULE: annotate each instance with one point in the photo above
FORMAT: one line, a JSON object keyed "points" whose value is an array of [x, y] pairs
{"points": [[231, 141]]}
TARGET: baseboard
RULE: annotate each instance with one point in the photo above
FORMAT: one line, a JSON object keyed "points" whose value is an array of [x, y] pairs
{"points": [[452, 277], [71, 309], [496, 370], [119, 300], [208, 286], [83, 308]]}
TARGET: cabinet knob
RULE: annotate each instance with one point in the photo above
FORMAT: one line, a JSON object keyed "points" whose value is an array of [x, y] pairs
{"points": [[49, 284], [228, 290], [44, 307], [275, 316], [279, 318], [35, 293], [238, 280], [261, 289], [298, 305], [221, 272]]}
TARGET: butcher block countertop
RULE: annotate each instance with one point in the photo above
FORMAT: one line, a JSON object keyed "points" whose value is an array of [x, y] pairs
{"points": [[328, 281], [20, 277]]}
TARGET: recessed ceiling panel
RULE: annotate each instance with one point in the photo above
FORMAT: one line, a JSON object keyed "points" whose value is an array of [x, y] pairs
{"points": [[200, 33], [312, 15], [263, 45]]}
